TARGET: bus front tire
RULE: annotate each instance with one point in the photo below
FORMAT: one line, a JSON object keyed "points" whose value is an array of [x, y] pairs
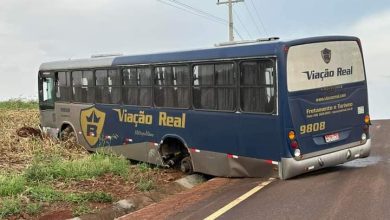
{"points": [[186, 165], [68, 136]]}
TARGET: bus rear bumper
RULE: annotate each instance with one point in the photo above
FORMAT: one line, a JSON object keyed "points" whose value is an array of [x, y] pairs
{"points": [[290, 167]]}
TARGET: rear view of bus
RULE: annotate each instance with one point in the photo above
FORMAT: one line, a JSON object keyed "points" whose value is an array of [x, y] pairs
{"points": [[328, 120]]}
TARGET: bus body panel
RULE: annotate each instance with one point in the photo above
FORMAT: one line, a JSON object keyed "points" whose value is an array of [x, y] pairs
{"points": [[229, 144], [344, 116], [208, 151]]}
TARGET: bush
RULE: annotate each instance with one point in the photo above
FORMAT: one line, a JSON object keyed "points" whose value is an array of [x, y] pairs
{"points": [[19, 104]]}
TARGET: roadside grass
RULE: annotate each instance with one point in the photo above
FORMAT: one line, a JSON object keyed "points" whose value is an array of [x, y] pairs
{"points": [[11, 184], [14, 104], [142, 176], [46, 193], [37, 173], [82, 209], [37, 182], [33, 208], [54, 167], [10, 206]]}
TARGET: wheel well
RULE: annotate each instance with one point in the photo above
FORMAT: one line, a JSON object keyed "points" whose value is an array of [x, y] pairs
{"points": [[172, 151], [64, 126]]}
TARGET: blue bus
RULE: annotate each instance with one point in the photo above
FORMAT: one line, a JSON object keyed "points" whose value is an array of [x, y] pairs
{"points": [[265, 108]]}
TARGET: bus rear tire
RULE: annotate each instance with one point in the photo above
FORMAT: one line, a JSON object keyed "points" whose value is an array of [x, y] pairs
{"points": [[186, 165]]}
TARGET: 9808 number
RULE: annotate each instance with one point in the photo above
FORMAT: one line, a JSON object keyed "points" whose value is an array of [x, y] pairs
{"points": [[309, 128]]}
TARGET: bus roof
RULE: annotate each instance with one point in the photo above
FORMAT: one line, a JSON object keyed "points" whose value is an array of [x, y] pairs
{"points": [[266, 48]]}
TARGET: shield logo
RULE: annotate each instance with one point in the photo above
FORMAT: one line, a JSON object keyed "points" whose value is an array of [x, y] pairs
{"points": [[92, 122], [326, 55]]}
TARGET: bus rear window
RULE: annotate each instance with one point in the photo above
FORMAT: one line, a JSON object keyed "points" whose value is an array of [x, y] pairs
{"points": [[318, 65]]}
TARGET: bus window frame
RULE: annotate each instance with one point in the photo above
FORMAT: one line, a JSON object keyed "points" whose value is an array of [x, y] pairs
{"points": [[72, 86], [214, 62], [56, 73], [188, 86], [44, 105], [273, 59], [151, 86], [117, 86]]}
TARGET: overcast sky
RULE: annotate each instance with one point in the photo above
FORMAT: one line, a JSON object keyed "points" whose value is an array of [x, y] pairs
{"points": [[32, 32]]}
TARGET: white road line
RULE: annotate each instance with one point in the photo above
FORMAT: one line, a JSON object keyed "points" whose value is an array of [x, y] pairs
{"points": [[237, 201]]}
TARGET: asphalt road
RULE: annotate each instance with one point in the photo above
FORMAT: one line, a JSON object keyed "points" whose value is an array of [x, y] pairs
{"points": [[356, 190]]}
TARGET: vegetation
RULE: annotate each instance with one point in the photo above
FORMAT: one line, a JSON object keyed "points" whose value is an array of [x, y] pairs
{"points": [[36, 182], [19, 104], [36, 173], [51, 168]]}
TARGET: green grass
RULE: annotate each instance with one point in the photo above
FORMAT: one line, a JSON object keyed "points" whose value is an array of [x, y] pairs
{"points": [[93, 166], [33, 208], [144, 167], [145, 184], [79, 198], [11, 185], [10, 206], [34, 182], [45, 193], [100, 197], [14, 104], [143, 176], [81, 209]]}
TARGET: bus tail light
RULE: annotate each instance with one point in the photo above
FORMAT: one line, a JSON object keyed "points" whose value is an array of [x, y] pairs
{"points": [[291, 135], [366, 127], [294, 144], [367, 120]]}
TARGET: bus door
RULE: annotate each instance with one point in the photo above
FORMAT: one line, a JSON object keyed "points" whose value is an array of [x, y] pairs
{"points": [[46, 98]]}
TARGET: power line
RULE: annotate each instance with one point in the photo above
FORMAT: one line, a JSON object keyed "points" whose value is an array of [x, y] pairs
{"points": [[197, 12], [253, 20], [259, 17], [205, 14], [191, 12], [238, 33], [242, 23]]}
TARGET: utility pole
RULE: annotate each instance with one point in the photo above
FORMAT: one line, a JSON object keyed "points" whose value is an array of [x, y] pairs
{"points": [[230, 5]]}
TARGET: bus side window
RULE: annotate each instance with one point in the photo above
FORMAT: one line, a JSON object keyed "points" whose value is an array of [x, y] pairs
{"points": [[108, 84], [257, 86], [48, 86], [144, 86], [137, 86], [214, 86], [63, 85], [171, 86], [46, 90]]}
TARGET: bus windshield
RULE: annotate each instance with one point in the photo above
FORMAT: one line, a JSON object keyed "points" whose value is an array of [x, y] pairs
{"points": [[324, 64]]}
